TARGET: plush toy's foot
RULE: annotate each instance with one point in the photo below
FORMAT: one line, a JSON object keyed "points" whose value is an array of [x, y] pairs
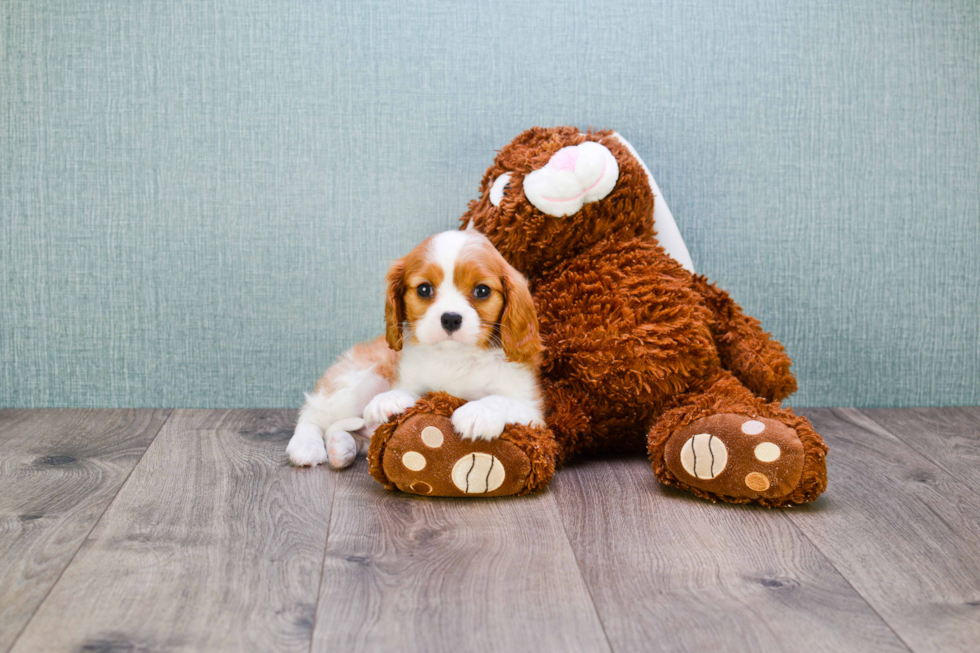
{"points": [[756, 452], [420, 453], [425, 456], [739, 459]]}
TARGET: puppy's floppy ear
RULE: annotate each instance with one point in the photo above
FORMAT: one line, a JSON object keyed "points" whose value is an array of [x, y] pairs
{"points": [[519, 321], [395, 304]]}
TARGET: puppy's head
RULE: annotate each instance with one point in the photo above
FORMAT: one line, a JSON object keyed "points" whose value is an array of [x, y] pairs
{"points": [[456, 288]]}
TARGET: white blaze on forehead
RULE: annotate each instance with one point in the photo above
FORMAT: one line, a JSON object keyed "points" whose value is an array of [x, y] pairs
{"points": [[445, 250], [668, 235], [572, 178]]}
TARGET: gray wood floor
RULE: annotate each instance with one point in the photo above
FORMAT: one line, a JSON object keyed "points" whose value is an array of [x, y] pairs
{"points": [[144, 530]]}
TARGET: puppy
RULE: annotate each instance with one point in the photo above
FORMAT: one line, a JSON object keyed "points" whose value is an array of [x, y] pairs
{"points": [[458, 319]]}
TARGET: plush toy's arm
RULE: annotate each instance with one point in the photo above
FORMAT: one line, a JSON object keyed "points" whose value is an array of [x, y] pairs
{"points": [[625, 325], [748, 352]]}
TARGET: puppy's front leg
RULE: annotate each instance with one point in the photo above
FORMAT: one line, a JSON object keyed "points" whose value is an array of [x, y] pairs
{"points": [[485, 419], [380, 409], [306, 448]]}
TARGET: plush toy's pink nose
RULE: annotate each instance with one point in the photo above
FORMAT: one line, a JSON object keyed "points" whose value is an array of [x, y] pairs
{"points": [[574, 176], [564, 159]]}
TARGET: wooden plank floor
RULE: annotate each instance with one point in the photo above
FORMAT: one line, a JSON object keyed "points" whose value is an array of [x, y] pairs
{"points": [[59, 471], [125, 530]]}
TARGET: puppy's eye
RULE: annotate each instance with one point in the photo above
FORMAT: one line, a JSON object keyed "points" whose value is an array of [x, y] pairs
{"points": [[424, 290], [481, 291]]}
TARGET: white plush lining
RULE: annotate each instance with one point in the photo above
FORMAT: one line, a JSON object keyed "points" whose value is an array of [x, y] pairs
{"points": [[668, 235], [497, 190]]}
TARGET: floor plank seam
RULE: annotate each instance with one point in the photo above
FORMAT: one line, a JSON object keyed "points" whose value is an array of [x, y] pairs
{"points": [[581, 573], [922, 454], [323, 565], [13, 645], [851, 585], [847, 580]]}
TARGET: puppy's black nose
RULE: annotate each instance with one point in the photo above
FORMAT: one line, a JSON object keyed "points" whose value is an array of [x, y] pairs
{"points": [[451, 321]]}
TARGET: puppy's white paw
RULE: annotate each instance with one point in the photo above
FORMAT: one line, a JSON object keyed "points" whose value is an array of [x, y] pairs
{"points": [[305, 448], [479, 420], [341, 449], [380, 409]]}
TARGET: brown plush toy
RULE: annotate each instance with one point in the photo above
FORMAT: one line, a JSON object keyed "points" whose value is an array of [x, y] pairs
{"points": [[640, 353]]}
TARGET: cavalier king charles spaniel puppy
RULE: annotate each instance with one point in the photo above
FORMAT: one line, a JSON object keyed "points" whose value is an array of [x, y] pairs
{"points": [[459, 319]]}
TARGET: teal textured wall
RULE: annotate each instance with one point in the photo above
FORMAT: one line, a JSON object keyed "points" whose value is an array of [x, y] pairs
{"points": [[198, 200]]}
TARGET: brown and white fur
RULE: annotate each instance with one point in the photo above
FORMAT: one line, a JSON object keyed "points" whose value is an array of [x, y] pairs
{"points": [[459, 319]]}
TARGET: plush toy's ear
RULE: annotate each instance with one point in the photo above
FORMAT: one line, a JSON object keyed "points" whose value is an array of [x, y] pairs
{"points": [[668, 235], [395, 304], [519, 321]]}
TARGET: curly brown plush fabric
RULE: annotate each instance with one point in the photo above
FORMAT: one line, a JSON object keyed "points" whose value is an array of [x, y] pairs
{"points": [[757, 360], [636, 347]]}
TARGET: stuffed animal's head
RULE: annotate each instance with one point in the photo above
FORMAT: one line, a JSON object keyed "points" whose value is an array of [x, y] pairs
{"points": [[551, 193]]}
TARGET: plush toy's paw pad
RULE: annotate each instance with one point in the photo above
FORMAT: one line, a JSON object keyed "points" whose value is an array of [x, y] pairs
{"points": [[737, 456], [478, 473], [426, 456]]}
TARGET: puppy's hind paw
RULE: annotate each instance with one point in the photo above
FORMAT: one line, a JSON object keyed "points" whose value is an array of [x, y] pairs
{"points": [[341, 449], [305, 448]]}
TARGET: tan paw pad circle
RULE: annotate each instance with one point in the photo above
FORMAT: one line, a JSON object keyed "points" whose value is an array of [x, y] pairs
{"points": [[413, 460], [757, 482], [432, 437], [704, 456], [753, 427], [478, 473], [767, 452], [421, 487]]}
